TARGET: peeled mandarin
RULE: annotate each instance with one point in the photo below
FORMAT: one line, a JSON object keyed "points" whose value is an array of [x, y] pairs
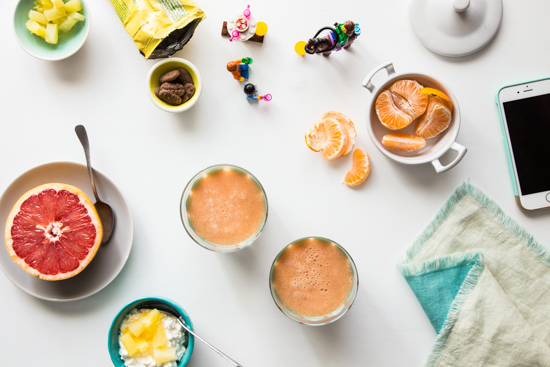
{"points": [[403, 142], [435, 120], [399, 105], [348, 125], [328, 136], [360, 169]]}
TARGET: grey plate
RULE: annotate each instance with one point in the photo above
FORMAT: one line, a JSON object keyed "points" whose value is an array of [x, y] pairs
{"points": [[110, 258]]}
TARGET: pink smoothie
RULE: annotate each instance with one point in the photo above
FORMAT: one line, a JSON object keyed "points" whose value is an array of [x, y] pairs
{"points": [[226, 207]]}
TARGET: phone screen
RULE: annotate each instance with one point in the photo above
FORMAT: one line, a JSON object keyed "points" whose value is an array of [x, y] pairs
{"points": [[529, 128]]}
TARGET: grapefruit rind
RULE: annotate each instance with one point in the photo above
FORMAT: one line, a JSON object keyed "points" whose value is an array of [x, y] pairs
{"points": [[84, 200]]}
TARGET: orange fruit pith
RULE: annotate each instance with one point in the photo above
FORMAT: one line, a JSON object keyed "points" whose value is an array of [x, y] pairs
{"points": [[403, 142], [316, 137], [399, 105], [348, 126], [435, 120], [438, 93], [53, 231], [360, 169]]}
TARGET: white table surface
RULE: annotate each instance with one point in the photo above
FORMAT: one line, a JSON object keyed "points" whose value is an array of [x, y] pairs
{"points": [[151, 155]]}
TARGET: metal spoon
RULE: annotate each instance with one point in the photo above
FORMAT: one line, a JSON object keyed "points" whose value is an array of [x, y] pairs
{"points": [[233, 362], [105, 212]]}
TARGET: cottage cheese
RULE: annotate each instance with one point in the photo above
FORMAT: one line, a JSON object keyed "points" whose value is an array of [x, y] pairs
{"points": [[174, 333]]}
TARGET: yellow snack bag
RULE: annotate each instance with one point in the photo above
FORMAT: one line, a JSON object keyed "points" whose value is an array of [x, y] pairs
{"points": [[159, 28]]}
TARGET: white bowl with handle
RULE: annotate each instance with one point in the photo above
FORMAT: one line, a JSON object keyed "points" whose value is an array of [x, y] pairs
{"points": [[435, 147]]}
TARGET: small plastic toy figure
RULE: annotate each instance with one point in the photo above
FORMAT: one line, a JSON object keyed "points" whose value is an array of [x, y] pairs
{"points": [[329, 39], [252, 93], [239, 68], [243, 27]]}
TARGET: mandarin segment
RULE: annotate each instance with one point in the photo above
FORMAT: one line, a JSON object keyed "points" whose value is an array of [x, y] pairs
{"points": [[435, 120], [360, 169], [438, 93], [348, 126], [336, 139], [399, 105], [403, 142]]}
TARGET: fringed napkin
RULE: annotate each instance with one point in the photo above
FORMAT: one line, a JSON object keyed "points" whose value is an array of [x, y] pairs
{"points": [[484, 283]]}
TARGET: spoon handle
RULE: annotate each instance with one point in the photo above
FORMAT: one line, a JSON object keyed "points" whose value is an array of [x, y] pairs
{"points": [[83, 137], [235, 363]]}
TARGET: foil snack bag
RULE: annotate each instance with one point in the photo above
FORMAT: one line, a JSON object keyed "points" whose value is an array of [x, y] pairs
{"points": [[159, 28]]}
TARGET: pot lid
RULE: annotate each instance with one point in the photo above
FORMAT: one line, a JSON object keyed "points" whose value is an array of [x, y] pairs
{"points": [[455, 27]]}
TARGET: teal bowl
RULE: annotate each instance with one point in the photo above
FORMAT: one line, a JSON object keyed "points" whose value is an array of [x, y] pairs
{"points": [[160, 304], [68, 44]]}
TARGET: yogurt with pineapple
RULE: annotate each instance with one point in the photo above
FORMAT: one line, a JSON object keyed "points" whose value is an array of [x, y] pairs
{"points": [[149, 338]]}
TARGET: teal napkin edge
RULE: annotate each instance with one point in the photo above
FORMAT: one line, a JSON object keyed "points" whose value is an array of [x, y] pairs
{"points": [[408, 269], [467, 189], [475, 260], [437, 289]]}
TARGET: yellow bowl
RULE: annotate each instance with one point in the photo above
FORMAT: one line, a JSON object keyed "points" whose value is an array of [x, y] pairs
{"points": [[168, 65]]}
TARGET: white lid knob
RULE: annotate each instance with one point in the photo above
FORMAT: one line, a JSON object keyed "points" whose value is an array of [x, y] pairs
{"points": [[461, 5]]}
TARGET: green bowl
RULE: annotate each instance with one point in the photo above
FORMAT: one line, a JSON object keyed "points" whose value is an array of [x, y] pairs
{"points": [[69, 43], [165, 66], [160, 304]]}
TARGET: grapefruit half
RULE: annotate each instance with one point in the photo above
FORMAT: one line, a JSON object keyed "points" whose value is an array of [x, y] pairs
{"points": [[53, 231]]}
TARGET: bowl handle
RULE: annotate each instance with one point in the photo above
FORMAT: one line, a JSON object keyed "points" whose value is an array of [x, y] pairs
{"points": [[461, 150], [367, 82]]}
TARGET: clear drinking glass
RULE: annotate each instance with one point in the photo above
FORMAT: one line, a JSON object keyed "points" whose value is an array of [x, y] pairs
{"points": [[185, 216], [325, 319]]}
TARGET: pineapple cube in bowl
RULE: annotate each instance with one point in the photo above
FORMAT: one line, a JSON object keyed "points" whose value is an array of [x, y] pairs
{"points": [[160, 304], [71, 34]]}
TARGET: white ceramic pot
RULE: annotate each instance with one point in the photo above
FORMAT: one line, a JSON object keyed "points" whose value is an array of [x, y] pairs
{"points": [[435, 147]]}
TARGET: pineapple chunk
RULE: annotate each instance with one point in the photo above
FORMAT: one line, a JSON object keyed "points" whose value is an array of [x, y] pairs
{"points": [[77, 16], [160, 340], [138, 326], [73, 5], [52, 32], [67, 25], [151, 350], [142, 345], [43, 4], [36, 28], [54, 13], [165, 355], [59, 4], [59, 20], [129, 344], [38, 17], [152, 321]]}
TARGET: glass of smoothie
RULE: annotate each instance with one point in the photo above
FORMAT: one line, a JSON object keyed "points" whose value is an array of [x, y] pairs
{"points": [[314, 281], [224, 208]]}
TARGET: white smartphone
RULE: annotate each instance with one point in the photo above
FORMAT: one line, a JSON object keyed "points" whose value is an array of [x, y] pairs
{"points": [[525, 117]]}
